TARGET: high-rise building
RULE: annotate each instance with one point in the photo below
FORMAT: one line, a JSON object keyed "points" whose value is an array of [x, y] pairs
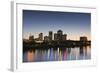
{"points": [[50, 35], [60, 32], [59, 35], [41, 36], [55, 37]]}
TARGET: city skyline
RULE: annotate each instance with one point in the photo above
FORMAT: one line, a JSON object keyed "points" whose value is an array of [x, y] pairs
{"points": [[52, 36], [73, 24]]}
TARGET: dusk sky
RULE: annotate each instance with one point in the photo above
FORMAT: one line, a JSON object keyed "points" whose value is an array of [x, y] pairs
{"points": [[71, 23]]}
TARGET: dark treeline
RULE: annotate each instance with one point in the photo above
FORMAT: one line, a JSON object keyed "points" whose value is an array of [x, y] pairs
{"points": [[54, 44]]}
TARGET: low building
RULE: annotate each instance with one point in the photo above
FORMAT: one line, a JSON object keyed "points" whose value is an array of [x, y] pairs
{"points": [[83, 38], [64, 37], [31, 37], [40, 37], [46, 38]]}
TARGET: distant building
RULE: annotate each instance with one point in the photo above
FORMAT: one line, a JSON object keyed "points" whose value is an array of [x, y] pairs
{"points": [[83, 38], [46, 38], [50, 35], [31, 37], [59, 35], [40, 37], [37, 39], [64, 37], [60, 32], [55, 37]]}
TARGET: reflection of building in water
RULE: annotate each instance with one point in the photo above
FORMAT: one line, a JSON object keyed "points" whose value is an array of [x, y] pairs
{"points": [[60, 36], [69, 50], [88, 51], [73, 54], [30, 56], [65, 53], [83, 51], [57, 54], [60, 55]]}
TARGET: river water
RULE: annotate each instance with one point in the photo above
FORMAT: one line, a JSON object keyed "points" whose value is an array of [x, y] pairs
{"points": [[57, 54]]}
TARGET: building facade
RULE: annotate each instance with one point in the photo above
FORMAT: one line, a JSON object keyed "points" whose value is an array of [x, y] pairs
{"points": [[83, 38], [46, 38], [59, 36], [50, 35], [31, 37], [41, 37]]}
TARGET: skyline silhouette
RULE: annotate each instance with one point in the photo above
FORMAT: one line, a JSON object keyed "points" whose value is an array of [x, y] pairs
{"points": [[72, 23], [53, 35]]}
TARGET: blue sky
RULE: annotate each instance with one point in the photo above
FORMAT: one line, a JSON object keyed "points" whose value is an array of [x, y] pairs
{"points": [[71, 23]]}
